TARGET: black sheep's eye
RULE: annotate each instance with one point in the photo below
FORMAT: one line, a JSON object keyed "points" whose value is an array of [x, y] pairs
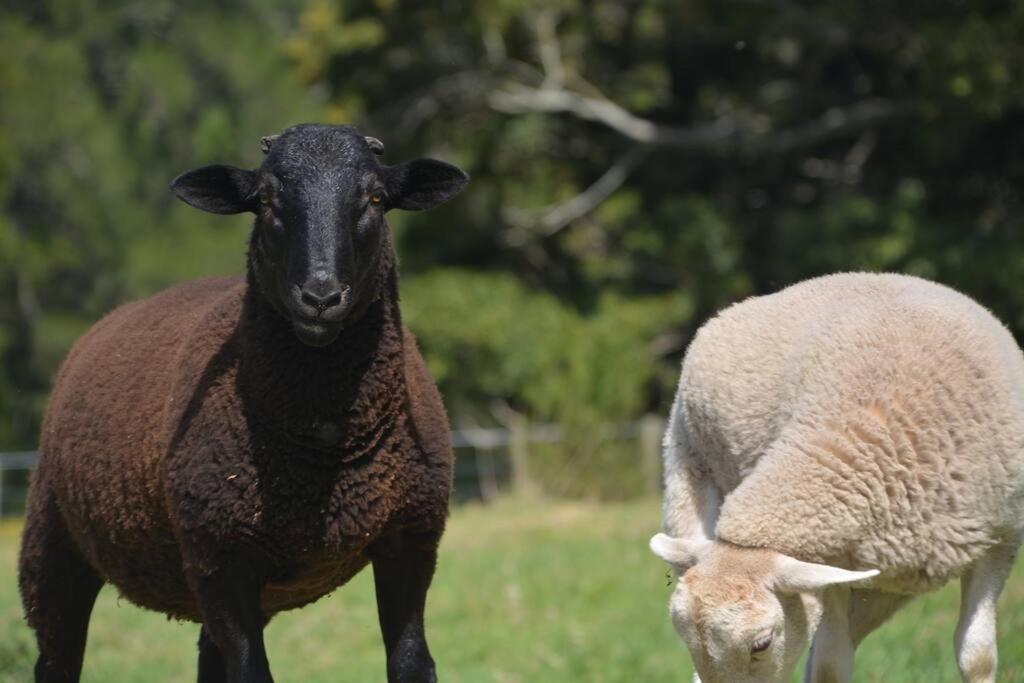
{"points": [[264, 198], [376, 198], [761, 644]]}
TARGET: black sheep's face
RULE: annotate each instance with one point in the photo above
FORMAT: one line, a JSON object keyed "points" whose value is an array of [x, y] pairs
{"points": [[320, 197]]}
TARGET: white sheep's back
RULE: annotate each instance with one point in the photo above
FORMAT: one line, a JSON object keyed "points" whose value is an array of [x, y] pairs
{"points": [[866, 420]]}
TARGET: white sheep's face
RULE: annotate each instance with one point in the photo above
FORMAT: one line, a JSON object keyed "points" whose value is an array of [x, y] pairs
{"points": [[736, 629], [745, 614]]}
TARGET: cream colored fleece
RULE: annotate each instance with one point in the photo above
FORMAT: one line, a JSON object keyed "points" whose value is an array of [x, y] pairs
{"points": [[859, 420]]}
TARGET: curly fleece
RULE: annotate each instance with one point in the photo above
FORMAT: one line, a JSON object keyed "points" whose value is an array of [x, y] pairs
{"points": [[859, 420], [191, 427]]}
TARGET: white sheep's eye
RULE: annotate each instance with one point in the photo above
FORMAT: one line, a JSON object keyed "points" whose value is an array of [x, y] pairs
{"points": [[761, 644]]}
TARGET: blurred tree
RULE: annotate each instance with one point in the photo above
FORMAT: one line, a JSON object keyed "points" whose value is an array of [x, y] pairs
{"points": [[103, 104], [636, 166]]}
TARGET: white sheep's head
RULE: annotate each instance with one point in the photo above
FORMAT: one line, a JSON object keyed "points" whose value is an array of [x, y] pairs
{"points": [[745, 614]]}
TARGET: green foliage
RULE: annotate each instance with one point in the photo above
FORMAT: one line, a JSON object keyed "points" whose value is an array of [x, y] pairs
{"points": [[575, 317], [102, 106], [582, 322], [490, 340], [488, 337]]}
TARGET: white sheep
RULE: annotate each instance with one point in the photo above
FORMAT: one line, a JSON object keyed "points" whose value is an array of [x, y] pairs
{"points": [[835, 449]]}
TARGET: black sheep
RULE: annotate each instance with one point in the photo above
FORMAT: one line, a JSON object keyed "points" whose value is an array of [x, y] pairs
{"points": [[229, 449]]}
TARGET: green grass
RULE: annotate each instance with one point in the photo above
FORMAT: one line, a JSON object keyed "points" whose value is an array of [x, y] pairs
{"points": [[525, 591]]}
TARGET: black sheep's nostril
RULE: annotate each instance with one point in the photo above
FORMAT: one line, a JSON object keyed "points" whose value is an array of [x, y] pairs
{"points": [[321, 302]]}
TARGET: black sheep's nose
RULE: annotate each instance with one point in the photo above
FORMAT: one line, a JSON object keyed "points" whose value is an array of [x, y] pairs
{"points": [[322, 295]]}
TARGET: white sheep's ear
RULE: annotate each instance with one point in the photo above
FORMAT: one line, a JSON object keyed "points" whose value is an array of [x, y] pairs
{"points": [[794, 576], [681, 553]]}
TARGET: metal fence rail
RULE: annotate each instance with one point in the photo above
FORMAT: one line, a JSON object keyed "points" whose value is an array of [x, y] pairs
{"points": [[498, 460], [18, 461]]}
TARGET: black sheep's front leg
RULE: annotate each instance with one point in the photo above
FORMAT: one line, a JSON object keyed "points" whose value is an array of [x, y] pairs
{"points": [[403, 565], [232, 627], [211, 664]]}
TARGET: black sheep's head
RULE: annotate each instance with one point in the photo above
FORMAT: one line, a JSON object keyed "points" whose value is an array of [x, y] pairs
{"points": [[320, 197]]}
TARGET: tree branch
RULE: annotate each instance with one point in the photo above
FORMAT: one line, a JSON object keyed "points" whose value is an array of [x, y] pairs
{"points": [[730, 134], [554, 218], [519, 99], [833, 123], [549, 49], [724, 135]]}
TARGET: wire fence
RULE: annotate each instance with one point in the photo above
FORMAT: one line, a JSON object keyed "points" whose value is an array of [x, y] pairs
{"points": [[488, 461]]}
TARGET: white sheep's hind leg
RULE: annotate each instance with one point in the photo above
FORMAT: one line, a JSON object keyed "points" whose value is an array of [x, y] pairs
{"points": [[975, 638], [831, 658]]}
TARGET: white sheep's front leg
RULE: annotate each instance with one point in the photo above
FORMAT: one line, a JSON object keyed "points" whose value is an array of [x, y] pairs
{"points": [[692, 501], [831, 658], [868, 609], [975, 639]]}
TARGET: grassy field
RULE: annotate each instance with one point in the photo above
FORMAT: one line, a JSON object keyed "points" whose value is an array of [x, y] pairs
{"points": [[525, 591]]}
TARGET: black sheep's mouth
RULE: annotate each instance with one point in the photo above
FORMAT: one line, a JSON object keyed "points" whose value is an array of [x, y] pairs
{"points": [[314, 331]]}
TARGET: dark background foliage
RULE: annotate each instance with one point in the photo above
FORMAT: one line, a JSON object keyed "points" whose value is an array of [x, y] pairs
{"points": [[636, 166]]}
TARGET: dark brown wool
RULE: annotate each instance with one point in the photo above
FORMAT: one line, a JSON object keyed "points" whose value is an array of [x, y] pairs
{"points": [[198, 412]]}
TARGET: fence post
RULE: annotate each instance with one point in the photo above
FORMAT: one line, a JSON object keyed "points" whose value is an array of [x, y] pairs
{"points": [[519, 451], [651, 428], [486, 477]]}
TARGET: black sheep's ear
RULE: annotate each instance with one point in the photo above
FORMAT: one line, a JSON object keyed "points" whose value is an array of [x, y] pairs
{"points": [[218, 189], [423, 183]]}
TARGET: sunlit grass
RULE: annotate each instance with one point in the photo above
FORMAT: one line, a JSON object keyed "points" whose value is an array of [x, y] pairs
{"points": [[525, 591]]}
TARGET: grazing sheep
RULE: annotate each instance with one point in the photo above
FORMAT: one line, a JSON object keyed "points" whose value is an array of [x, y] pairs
{"points": [[835, 449], [228, 449]]}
